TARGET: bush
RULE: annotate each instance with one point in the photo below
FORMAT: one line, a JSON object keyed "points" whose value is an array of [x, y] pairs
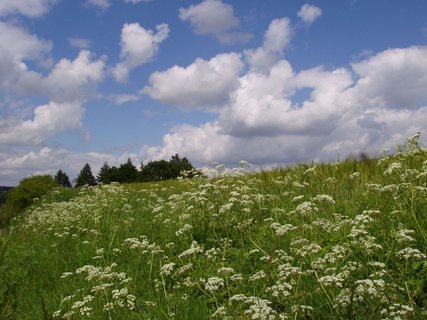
{"points": [[21, 197]]}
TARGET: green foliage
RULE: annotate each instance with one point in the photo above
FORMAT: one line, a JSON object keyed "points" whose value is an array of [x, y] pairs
{"points": [[3, 192], [328, 241], [152, 171], [106, 174], [22, 196], [156, 170], [164, 170], [62, 179], [85, 177], [127, 173]]}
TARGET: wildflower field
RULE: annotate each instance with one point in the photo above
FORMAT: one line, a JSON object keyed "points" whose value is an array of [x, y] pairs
{"points": [[332, 241]]}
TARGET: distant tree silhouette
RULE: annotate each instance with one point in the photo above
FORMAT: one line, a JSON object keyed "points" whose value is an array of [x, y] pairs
{"points": [[106, 174], [127, 172], [163, 170], [62, 179], [85, 177], [179, 164]]}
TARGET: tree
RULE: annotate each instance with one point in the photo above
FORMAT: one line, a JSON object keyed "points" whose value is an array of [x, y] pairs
{"points": [[163, 170], [23, 195], [179, 164], [62, 179], [127, 172], [85, 177], [105, 174], [157, 170]]}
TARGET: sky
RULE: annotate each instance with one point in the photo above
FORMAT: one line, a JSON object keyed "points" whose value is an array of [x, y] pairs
{"points": [[271, 82]]}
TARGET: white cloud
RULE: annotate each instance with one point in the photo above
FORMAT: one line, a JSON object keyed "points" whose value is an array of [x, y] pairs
{"points": [[79, 43], [309, 13], [68, 84], [215, 18], [49, 119], [18, 165], [17, 46], [371, 107], [21, 44], [263, 105], [276, 38], [202, 84], [30, 8], [394, 78], [68, 80], [120, 99], [138, 46], [101, 4]]}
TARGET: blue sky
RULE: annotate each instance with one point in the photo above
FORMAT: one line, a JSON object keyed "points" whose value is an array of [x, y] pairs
{"points": [[271, 82]]}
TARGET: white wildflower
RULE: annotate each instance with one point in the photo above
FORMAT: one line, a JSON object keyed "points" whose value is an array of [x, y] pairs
{"points": [[282, 229], [259, 275], [214, 284], [167, 269]]}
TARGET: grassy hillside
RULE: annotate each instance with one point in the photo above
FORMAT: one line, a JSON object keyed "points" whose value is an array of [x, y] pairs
{"points": [[338, 241]]}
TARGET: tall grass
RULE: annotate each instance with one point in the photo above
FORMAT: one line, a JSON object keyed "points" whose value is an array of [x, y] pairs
{"points": [[338, 241]]}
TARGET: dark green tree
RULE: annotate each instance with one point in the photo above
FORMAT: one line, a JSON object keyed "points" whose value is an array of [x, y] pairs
{"points": [[105, 174], [157, 170], [179, 164], [62, 179], [85, 177], [127, 172]]}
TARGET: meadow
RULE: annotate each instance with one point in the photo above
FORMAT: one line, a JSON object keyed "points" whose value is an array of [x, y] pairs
{"points": [[328, 241]]}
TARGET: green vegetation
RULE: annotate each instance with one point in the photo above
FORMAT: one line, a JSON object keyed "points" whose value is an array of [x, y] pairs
{"points": [[152, 171], [338, 241], [62, 179], [22, 196], [3, 192], [85, 177]]}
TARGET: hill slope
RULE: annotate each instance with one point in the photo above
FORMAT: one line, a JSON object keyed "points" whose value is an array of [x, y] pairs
{"points": [[338, 241]]}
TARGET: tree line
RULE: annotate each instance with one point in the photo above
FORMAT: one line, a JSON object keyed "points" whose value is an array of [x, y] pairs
{"points": [[128, 172]]}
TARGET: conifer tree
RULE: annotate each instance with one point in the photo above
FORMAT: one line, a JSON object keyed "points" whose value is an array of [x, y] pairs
{"points": [[62, 179], [178, 165], [105, 174], [127, 172], [85, 177]]}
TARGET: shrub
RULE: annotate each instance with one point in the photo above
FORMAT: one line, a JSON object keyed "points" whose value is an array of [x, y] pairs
{"points": [[22, 196]]}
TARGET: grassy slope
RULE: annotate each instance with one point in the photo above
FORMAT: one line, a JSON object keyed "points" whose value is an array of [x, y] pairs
{"points": [[338, 241]]}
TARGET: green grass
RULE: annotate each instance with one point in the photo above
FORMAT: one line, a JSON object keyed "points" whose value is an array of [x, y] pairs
{"points": [[332, 241]]}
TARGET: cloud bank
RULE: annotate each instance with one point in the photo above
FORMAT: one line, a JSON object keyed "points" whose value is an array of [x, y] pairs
{"points": [[370, 105]]}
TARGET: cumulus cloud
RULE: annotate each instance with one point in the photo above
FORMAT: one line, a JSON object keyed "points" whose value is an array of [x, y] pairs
{"points": [[309, 13], [21, 44], [17, 47], [138, 46], [30, 8], [216, 18], [394, 78], [67, 81], [276, 38], [263, 105], [79, 43], [202, 84], [372, 106], [67, 86], [48, 120]]}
